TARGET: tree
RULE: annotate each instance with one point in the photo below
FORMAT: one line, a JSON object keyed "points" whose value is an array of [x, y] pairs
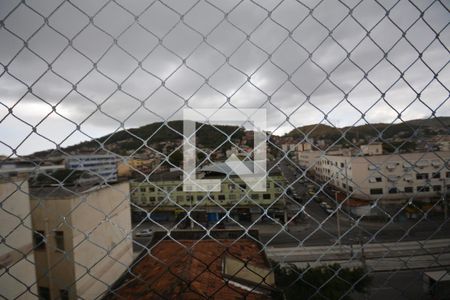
{"points": [[326, 282]]}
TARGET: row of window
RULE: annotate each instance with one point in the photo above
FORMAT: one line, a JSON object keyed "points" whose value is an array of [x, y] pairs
{"points": [[179, 188], [419, 176], [220, 197], [419, 164], [408, 189]]}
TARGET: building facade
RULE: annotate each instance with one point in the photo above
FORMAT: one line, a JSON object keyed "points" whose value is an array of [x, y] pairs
{"points": [[390, 177], [166, 199], [83, 237], [98, 165], [16, 247]]}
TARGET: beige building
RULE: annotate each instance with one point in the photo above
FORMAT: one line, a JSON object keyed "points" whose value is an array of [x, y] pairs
{"points": [[17, 272], [389, 177], [85, 239]]}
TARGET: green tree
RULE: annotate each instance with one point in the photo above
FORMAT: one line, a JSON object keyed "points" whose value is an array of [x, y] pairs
{"points": [[330, 282]]}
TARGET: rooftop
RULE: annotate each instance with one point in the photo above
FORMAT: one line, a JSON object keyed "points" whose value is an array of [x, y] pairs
{"points": [[197, 269], [216, 170], [59, 192]]}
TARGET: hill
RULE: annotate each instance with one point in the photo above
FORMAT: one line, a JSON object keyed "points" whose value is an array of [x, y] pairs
{"points": [[420, 127], [151, 136]]}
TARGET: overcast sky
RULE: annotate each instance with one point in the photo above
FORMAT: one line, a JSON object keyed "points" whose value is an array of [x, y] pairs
{"points": [[208, 54]]}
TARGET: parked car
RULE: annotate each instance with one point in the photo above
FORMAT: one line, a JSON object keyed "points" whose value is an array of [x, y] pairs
{"points": [[326, 207], [144, 233]]}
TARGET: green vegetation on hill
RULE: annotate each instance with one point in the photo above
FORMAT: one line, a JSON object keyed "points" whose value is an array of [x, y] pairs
{"points": [[331, 282], [131, 139], [152, 136], [403, 130]]}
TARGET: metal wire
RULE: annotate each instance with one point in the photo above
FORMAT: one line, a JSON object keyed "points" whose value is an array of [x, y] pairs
{"points": [[308, 34]]}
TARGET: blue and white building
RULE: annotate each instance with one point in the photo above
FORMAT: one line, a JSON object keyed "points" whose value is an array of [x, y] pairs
{"points": [[103, 166]]}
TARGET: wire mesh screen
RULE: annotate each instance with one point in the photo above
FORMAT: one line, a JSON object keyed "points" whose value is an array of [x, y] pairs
{"points": [[206, 149]]}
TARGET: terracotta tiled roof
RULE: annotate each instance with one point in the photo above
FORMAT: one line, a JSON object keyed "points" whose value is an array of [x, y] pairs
{"points": [[190, 269]]}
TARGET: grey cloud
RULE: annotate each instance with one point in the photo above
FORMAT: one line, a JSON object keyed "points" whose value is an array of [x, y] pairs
{"points": [[158, 82]]}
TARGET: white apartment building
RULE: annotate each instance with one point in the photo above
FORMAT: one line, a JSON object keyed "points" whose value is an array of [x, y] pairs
{"points": [[16, 246], [103, 166], [388, 178], [83, 240]]}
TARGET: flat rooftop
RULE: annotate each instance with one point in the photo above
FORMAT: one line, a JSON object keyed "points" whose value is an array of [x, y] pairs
{"points": [[213, 171], [198, 269], [61, 192]]}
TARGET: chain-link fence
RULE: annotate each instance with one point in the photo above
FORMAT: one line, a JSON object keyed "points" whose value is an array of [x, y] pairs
{"points": [[312, 161]]}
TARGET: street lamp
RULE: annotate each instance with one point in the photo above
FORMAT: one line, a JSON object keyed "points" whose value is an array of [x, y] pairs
{"points": [[444, 198]]}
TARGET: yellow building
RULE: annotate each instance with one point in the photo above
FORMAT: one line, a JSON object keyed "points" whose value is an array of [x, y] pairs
{"points": [[85, 239], [163, 195], [126, 168]]}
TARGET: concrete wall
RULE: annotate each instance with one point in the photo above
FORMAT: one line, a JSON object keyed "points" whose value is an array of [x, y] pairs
{"points": [[107, 252], [98, 244], [54, 268], [16, 251]]}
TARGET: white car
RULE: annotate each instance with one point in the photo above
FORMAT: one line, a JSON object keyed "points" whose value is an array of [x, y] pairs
{"points": [[144, 232]]}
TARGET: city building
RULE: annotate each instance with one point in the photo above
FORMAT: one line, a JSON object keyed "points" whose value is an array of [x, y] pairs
{"points": [[103, 166], [16, 246], [192, 265], [384, 178], [127, 167], [82, 239], [163, 195]]}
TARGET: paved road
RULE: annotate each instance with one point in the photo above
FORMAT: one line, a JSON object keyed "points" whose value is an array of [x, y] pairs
{"points": [[318, 227]]}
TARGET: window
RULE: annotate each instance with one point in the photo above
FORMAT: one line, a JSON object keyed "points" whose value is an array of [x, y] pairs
{"points": [[199, 198], [423, 189], [447, 174], [254, 196], [179, 198], [422, 176], [64, 294], [266, 196], [350, 188], [39, 240], [375, 179], [376, 191], [59, 240], [436, 175], [342, 165], [409, 189], [232, 196], [437, 188], [143, 190], [180, 188], [393, 190], [221, 197], [44, 293]]}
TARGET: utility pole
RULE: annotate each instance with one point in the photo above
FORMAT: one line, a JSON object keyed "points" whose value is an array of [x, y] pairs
{"points": [[337, 218], [444, 198]]}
